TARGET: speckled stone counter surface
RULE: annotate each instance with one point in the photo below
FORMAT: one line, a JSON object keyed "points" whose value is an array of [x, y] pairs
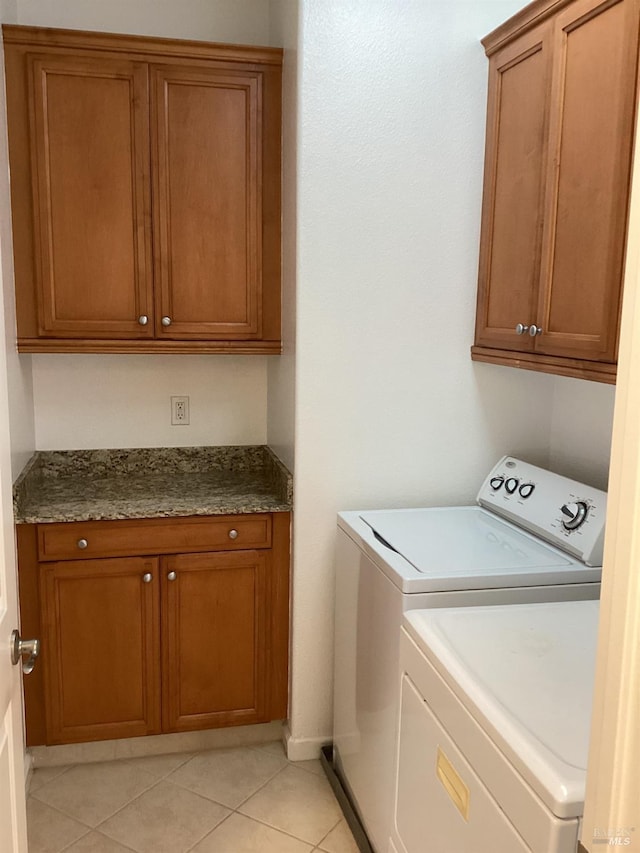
{"points": [[89, 485]]}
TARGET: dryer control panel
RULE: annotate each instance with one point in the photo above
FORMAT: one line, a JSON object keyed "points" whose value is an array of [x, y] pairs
{"points": [[563, 512]]}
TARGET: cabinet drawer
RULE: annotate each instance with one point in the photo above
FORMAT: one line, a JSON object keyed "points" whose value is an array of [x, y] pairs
{"points": [[81, 540]]}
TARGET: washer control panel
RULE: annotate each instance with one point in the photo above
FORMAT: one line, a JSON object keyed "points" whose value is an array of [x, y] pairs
{"points": [[563, 512]]}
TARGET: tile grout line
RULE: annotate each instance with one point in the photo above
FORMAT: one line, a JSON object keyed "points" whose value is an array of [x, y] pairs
{"points": [[166, 777]]}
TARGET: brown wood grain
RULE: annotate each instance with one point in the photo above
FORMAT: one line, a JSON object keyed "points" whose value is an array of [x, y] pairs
{"points": [[152, 536], [586, 128], [516, 154], [91, 199], [578, 368], [83, 268], [215, 640], [143, 46], [101, 628], [591, 140], [30, 627], [224, 642], [207, 165]]}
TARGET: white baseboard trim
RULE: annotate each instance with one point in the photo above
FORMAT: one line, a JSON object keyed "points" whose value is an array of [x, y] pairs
{"points": [[302, 749]]}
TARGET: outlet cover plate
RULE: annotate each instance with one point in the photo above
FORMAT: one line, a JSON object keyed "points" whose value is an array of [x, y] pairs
{"points": [[180, 411]]}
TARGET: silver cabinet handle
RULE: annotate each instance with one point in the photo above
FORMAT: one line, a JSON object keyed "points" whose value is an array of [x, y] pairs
{"points": [[172, 576], [535, 330], [29, 649], [143, 319], [82, 544], [166, 321], [233, 534], [147, 577], [520, 329]]}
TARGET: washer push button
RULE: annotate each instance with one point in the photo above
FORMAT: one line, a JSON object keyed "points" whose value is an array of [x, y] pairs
{"points": [[511, 485]]}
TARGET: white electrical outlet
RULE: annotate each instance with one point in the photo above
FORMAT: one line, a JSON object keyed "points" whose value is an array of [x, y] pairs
{"points": [[179, 411]]}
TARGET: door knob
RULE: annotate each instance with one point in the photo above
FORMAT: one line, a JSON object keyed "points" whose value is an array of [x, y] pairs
{"points": [[147, 577], [534, 330], [172, 576], [521, 329], [166, 321], [20, 648]]}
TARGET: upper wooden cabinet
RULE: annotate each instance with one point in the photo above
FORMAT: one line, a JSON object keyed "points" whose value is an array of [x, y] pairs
{"points": [[560, 128], [145, 185]]}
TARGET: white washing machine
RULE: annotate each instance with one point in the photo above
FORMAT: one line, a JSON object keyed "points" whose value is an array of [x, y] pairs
{"points": [[494, 728], [533, 536]]}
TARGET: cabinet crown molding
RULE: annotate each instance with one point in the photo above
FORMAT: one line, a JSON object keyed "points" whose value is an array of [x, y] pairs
{"points": [[145, 46], [532, 15]]}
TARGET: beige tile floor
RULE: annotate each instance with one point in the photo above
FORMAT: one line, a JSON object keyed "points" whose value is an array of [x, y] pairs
{"points": [[237, 800]]}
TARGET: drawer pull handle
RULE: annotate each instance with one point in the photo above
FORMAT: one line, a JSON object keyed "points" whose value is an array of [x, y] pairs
{"points": [[172, 576], [147, 577], [82, 543], [233, 534]]}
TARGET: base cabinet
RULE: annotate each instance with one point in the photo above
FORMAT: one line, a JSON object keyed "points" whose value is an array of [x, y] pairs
{"points": [[157, 643], [215, 641], [101, 630]]}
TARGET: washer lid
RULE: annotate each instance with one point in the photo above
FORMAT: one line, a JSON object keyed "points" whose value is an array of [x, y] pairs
{"points": [[465, 546], [526, 673]]}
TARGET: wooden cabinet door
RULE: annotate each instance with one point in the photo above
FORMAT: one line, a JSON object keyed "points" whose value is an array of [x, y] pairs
{"points": [[515, 162], [591, 141], [91, 195], [100, 647], [215, 639], [207, 162]]}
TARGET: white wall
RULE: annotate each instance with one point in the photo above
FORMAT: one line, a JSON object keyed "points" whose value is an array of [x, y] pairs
{"points": [[95, 401], [581, 424], [390, 409], [19, 382], [281, 371], [235, 21], [123, 401]]}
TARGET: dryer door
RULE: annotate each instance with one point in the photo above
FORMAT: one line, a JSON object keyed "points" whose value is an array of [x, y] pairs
{"points": [[441, 804]]}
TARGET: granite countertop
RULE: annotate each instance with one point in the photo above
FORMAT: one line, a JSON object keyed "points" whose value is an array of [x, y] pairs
{"points": [[92, 485]]}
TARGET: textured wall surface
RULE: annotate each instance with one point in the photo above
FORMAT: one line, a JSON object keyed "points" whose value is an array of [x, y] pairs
{"points": [[390, 410]]}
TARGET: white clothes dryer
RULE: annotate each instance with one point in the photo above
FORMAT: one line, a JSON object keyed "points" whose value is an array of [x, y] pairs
{"points": [[533, 536], [494, 724]]}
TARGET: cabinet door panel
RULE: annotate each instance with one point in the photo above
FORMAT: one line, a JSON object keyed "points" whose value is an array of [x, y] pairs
{"points": [[215, 640], [591, 132], [90, 161], [515, 159], [207, 202], [101, 649]]}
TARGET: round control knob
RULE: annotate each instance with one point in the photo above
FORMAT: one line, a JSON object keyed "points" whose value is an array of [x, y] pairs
{"points": [[496, 482], [526, 490], [233, 534], [511, 485], [82, 543], [574, 514]]}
